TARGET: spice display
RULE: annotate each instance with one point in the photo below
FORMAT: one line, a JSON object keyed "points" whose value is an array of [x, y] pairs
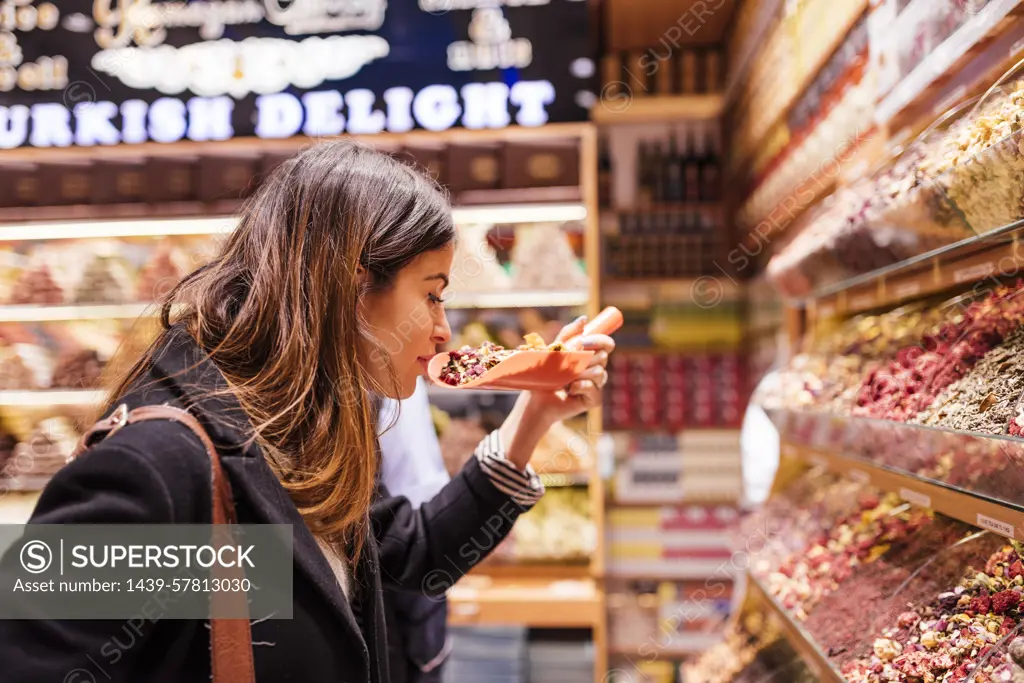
{"points": [[985, 399], [78, 370], [859, 538], [982, 162], [776, 663], [914, 568], [797, 517], [37, 286], [744, 638], [945, 638], [900, 389]]}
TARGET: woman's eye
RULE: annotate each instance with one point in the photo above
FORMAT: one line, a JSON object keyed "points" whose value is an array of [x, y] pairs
{"points": [[435, 299]]}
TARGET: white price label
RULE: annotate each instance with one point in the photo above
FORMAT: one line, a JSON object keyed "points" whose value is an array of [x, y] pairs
{"points": [[973, 272], [915, 497], [907, 289], [859, 476], [998, 526]]}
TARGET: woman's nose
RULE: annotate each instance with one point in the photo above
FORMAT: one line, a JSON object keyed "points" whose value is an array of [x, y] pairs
{"points": [[442, 331]]}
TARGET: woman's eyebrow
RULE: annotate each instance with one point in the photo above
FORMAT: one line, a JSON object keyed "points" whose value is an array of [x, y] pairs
{"points": [[438, 276]]}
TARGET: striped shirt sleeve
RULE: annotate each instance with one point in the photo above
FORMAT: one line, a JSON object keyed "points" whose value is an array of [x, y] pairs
{"points": [[524, 487]]}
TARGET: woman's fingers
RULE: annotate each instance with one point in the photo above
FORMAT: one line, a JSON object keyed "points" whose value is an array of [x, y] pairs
{"points": [[600, 358], [595, 373], [598, 342], [572, 329]]}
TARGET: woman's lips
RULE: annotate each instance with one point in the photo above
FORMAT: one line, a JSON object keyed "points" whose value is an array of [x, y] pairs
{"points": [[424, 361]]}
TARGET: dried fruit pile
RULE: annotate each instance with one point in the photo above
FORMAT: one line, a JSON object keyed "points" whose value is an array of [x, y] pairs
{"points": [[859, 538], [945, 638], [913, 570], [468, 363], [984, 400], [909, 384]]}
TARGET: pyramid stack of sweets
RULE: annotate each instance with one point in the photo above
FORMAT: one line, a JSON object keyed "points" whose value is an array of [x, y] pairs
{"points": [[46, 450], [103, 282], [78, 369], [37, 286], [476, 267], [157, 277], [544, 259], [15, 373]]}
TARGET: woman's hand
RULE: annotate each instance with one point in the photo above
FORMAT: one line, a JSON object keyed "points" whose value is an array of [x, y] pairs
{"points": [[536, 412]]}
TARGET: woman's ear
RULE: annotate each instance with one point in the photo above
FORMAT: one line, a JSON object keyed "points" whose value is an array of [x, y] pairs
{"points": [[363, 275]]}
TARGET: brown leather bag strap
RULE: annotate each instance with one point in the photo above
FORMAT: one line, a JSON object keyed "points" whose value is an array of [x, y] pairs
{"points": [[230, 639]]}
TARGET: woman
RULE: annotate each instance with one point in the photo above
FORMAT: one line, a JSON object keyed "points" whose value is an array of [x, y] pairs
{"points": [[328, 294]]}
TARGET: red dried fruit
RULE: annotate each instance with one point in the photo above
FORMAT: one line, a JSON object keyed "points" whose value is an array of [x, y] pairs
{"points": [[981, 604], [1003, 601], [1016, 569]]}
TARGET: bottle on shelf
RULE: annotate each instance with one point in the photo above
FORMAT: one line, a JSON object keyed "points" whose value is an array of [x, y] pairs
{"points": [[673, 172], [644, 186], [691, 168], [710, 178], [604, 175], [665, 78], [689, 75], [657, 165]]}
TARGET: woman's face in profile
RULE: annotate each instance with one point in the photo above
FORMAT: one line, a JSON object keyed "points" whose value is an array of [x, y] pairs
{"points": [[409, 319]]}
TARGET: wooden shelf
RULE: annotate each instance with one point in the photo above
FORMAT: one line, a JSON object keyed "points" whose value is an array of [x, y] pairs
{"points": [[520, 570], [704, 292], [84, 312], [537, 603], [518, 299], [659, 108], [45, 398], [682, 645], [971, 261], [966, 507], [797, 637]]}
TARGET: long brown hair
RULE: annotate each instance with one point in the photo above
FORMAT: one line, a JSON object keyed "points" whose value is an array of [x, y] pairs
{"points": [[276, 310]]}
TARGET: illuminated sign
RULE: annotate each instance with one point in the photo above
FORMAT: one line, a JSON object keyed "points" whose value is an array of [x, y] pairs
{"points": [[109, 72]]}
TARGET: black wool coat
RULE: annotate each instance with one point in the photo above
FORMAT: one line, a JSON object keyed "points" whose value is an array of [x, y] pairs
{"points": [[158, 472]]}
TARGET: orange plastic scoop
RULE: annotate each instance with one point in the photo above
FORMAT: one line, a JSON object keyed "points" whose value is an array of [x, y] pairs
{"points": [[535, 370]]}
